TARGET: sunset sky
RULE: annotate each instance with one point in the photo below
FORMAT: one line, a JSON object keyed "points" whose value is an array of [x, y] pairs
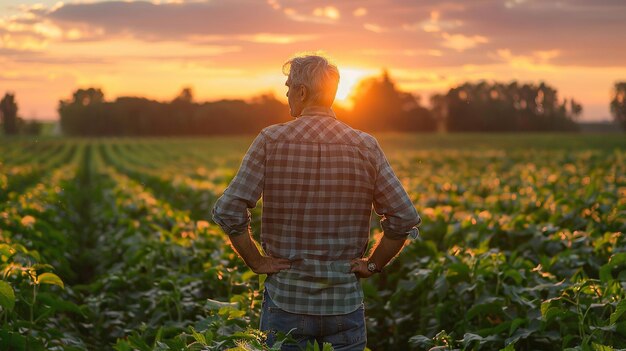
{"points": [[235, 48]]}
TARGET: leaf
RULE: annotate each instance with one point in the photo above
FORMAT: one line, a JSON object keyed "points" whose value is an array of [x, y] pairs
{"points": [[514, 274], [212, 305], [598, 347], [158, 337], [615, 261], [247, 275], [521, 333], [545, 305], [122, 345], [459, 270], [489, 305], [509, 347], [199, 337], [58, 304], [421, 341], [5, 252], [138, 343], [468, 338], [12, 341], [619, 310], [515, 324], [551, 313], [7, 296], [50, 278]]}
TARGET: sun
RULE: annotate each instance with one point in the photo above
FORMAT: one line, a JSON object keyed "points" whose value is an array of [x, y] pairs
{"points": [[349, 78]]}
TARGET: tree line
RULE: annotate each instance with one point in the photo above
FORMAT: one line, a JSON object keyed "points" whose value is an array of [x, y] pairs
{"points": [[88, 113], [12, 124], [378, 105]]}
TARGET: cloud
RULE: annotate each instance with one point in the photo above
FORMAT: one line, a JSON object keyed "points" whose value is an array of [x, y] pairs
{"points": [[359, 12], [268, 38], [166, 21], [537, 61], [375, 28], [409, 53], [329, 12], [460, 42], [584, 31], [319, 15], [434, 24], [21, 41]]}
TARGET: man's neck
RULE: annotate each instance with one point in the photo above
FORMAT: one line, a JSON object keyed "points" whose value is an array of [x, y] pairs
{"points": [[317, 111]]}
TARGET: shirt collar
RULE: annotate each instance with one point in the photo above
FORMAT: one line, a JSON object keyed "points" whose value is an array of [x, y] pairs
{"points": [[317, 111]]}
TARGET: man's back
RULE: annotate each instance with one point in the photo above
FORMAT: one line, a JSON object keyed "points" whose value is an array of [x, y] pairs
{"points": [[319, 179], [317, 202]]}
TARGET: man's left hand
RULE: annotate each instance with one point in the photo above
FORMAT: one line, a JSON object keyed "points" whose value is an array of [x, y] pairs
{"points": [[268, 265]]}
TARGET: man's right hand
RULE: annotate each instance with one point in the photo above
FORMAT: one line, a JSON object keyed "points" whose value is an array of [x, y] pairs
{"points": [[358, 266], [268, 265]]}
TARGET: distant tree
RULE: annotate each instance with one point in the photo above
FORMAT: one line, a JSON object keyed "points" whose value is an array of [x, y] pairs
{"points": [[84, 113], [439, 110], [31, 128], [267, 110], [618, 104], [180, 109], [507, 107], [8, 110], [185, 96], [380, 106]]}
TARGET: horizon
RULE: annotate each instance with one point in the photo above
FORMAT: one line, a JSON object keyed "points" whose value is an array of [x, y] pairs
{"points": [[235, 49]]}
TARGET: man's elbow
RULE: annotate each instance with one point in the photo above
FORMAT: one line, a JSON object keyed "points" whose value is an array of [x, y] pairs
{"points": [[409, 218], [402, 225], [231, 225]]}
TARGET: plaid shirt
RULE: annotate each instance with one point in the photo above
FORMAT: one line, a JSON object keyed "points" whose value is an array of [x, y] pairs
{"points": [[319, 179]]}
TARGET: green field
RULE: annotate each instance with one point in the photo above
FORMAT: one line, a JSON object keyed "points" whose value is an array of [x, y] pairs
{"points": [[108, 244]]}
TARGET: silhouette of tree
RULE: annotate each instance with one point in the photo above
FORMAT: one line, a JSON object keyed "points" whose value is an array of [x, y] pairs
{"points": [[439, 111], [380, 106], [87, 113], [507, 107], [8, 110], [30, 127], [185, 96], [84, 114], [618, 104]]}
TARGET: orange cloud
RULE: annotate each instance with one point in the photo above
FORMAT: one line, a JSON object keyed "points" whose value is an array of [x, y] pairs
{"points": [[330, 12], [434, 24], [375, 28], [538, 61], [460, 42], [360, 12], [269, 38]]}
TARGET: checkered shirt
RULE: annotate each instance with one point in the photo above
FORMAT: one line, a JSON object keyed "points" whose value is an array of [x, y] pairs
{"points": [[319, 179]]}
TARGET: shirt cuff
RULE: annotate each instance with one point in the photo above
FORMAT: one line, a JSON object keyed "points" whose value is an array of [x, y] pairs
{"points": [[231, 230], [412, 233]]}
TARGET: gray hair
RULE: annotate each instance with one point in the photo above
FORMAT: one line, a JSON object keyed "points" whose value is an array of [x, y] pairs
{"points": [[317, 74]]}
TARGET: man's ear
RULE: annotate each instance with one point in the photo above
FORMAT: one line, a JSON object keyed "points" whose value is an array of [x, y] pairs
{"points": [[304, 93]]}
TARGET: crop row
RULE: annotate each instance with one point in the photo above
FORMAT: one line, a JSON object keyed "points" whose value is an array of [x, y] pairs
{"points": [[34, 249]]}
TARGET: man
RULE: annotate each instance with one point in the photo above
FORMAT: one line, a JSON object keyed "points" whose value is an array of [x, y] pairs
{"points": [[319, 179]]}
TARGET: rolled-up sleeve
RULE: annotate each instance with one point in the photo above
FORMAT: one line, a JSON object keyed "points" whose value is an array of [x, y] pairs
{"points": [[231, 211], [399, 217]]}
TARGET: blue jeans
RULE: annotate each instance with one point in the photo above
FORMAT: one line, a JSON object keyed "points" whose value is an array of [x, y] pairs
{"points": [[346, 332]]}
